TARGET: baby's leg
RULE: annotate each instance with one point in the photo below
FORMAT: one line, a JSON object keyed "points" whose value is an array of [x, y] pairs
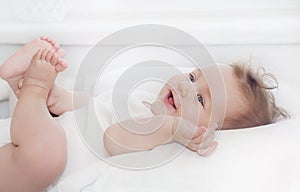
{"points": [[61, 100], [37, 154], [14, 68]]}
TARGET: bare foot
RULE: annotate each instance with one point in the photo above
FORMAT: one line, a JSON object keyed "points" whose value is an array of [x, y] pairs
{"points": [[15, 66], [43, 70], [59, 99]]}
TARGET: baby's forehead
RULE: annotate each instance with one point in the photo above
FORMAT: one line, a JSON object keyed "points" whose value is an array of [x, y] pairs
{"points": [[214, 69], [219, 77]]}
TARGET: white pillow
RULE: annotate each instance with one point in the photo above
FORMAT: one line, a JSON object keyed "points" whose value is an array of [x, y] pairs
{"points": [[287, 97], [257, 159]]}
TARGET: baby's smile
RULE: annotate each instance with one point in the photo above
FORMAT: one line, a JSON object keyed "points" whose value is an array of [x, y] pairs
{"points": [[169, 99]]}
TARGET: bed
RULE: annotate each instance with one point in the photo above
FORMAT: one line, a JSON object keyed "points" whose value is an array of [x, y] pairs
{"points": [[264, 158], [260, 159]]}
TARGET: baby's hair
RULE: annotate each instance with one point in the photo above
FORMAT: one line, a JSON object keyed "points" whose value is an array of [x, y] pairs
{"points": [[259, 107]]}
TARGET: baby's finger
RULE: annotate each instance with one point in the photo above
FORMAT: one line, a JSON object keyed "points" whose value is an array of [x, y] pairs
{"points": [[208, 139], [20, 83], [193, 147], [211, 128], [208, 151], [206, 142], [210, 132], [199, 132], [198, 140]]}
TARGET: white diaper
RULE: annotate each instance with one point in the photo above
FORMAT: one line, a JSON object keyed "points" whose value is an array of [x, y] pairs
{"points": [[4, 131]]}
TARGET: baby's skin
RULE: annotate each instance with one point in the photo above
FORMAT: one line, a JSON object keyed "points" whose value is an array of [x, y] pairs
{"points": [[38, 152], [14, 68]]}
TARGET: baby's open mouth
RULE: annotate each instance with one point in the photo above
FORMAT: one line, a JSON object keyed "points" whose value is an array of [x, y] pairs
{"points": [[170, 99]]}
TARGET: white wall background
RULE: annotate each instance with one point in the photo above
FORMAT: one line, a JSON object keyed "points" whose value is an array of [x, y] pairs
{"points": [[132, 8], [86, 21]]}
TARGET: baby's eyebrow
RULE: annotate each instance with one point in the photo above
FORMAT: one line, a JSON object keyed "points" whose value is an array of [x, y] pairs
{"points": [[197, 72]]}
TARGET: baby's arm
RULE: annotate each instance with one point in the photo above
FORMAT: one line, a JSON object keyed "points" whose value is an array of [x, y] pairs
{"points": [[131, 136]]}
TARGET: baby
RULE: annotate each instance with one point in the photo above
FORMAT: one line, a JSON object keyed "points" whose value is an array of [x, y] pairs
{"points": [[24, 164], [182, 113], [185, 102]]}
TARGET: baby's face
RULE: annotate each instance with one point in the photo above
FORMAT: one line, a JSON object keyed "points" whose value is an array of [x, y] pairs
{"points": [[188, 95]]}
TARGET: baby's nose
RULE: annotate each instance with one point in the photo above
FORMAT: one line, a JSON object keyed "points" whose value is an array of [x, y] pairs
{"points": [[184, 88]]}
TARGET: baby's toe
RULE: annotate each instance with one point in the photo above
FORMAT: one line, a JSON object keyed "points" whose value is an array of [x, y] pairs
{"points": [[51, 41], [54, 59], [61, 52], [43, 38], [49, 56], [44, 54], [54, 44], [61, 66], [38, 54]]}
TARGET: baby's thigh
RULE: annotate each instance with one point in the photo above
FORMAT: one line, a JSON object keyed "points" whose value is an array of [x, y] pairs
{"points": [[12, 178], [21, 171]]}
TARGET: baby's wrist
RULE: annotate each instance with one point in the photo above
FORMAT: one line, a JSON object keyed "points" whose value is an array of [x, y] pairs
{"points": [[170, 127]]}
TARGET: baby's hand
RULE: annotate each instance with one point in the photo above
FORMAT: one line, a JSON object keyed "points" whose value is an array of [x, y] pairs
{"points": [[207, 144], [198, 139]]}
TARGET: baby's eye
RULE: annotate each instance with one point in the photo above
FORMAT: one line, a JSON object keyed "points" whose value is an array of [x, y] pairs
{"points": [[192, 78], [200, 99]]}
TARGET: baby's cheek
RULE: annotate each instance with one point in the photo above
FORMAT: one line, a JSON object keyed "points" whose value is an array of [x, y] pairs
{"points": [[192, 115]]}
